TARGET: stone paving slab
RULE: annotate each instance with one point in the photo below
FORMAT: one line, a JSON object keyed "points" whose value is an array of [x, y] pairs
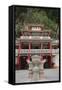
{"points": [[50, 75]]}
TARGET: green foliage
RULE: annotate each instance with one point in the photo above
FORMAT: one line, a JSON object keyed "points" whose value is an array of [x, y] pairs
{"points": [[48, 17]]}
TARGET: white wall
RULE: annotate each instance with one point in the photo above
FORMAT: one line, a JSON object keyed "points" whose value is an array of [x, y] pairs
{"points": [[4, 44]]}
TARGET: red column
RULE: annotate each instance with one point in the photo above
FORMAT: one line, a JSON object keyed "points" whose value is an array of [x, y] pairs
{"points": [[51, 53], [29, 52], [50, 58], [18, 58], [41, 55]]}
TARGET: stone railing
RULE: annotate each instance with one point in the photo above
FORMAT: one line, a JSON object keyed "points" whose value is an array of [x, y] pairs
{"points": [[38, 51]]}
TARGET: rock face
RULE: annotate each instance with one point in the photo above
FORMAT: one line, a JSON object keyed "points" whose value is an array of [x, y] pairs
{"points": [[36, 70]]}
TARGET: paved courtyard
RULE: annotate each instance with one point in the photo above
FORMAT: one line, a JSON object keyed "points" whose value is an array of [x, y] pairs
{"points": [[50, 75]]}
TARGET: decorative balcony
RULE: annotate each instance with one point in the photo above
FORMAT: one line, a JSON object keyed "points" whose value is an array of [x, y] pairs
{"points": [[27, 38], [38, 51]]}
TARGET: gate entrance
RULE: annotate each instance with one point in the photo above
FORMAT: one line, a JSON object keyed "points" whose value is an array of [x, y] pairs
{"points": [[48, 62], [23, 62]]}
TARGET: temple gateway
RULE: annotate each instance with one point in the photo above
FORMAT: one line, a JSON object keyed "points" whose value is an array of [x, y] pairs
{"points": [[35, 40]]}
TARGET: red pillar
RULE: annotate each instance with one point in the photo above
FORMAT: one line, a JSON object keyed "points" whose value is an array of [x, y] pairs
{"points": [[41, 55], [29, 52], [18, 58], [50, 57]]}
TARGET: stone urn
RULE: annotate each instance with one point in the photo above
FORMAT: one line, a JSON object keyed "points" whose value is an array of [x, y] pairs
{"points": [[36, 70]]}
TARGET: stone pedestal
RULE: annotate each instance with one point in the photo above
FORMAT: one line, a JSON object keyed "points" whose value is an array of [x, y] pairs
{"points": [[36, 70], [41, 71]]}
